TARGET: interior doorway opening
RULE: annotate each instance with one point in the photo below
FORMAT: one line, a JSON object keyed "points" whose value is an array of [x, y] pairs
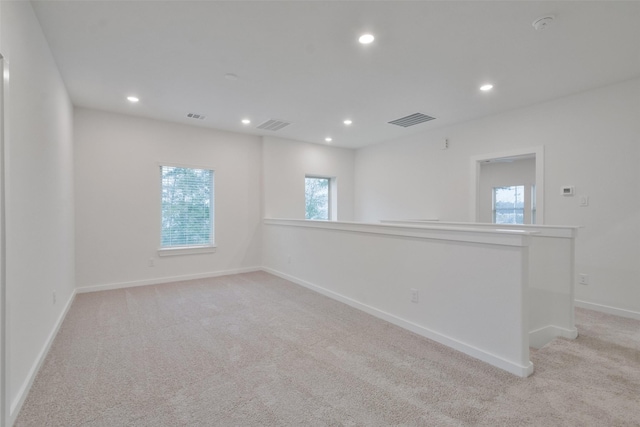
{"points": [[507, 187]]}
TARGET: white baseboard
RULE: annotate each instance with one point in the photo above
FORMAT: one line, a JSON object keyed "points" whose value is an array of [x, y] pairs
{"points": [[608, 309], [160, 280], [540, 337], [521, 371], [17, 403]]}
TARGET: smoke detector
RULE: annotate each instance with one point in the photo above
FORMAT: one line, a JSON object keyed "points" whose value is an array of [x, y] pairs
{"points": [[542, 22]]}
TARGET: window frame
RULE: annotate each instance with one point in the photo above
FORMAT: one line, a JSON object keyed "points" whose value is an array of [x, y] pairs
{"points": [[188, 249]]}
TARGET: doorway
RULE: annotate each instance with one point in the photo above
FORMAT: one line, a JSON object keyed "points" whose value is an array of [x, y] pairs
{"points": [[508, 187]]}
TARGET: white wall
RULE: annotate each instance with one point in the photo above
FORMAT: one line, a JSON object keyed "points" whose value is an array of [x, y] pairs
{"points": [[480, 309], [285, 164], [591, 140], [40, 197], [118, 198]]}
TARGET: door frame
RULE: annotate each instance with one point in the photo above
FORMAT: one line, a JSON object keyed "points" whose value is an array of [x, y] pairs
{"points": [[476, 161], [4, 306]]}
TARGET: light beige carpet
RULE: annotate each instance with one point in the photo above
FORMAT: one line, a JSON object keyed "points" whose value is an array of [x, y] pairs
{"points": [[256, 350]]}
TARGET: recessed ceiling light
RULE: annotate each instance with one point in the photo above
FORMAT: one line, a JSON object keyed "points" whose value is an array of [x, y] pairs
{"points": [[366, 38], [132, 99], [231, 76], [328, 139], [486, 87], [347, 122], [246, 121]]}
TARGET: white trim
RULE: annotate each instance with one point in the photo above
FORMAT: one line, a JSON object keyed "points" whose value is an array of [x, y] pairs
{"points": [[540, 337], [562, 231], [187, 250], [4, 305], [433, 232], [185, 165], [160, 280], [622, 312], [514, 368], [17, 403], [475, 178]]}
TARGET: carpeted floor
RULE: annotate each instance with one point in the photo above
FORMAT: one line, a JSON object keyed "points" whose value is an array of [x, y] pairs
{"points": [[256, 350]]}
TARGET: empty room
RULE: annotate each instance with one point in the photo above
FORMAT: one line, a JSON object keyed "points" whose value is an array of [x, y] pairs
{"points": [[291, 213]]}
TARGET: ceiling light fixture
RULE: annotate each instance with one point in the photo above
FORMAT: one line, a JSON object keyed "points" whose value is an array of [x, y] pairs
{"points": [[246, 121], [328, 139], [132, 99], [486, 87], [366, 38], [347, 122]]}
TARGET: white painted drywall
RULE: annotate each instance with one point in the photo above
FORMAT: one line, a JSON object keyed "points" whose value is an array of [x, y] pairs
{"points": [[40, 196], [591, 140], [285, 164], [478, 305], [118, 198], [518, 172]]}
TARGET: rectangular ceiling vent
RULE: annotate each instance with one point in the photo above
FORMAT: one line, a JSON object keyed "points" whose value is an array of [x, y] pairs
{"points": [[273, 125], [196, 116], [411, 120]]}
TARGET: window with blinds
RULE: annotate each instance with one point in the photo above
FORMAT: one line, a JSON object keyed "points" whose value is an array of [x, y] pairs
{"points": [[187, 207]]}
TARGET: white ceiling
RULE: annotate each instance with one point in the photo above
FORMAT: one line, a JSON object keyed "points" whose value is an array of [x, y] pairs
{"points": [[300, 61]]}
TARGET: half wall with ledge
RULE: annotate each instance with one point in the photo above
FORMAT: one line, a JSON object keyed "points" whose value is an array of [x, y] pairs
{"points": [[465, 286], [551, 275]]}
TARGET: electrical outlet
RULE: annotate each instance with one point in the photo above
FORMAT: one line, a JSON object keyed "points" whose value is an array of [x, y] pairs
{"points": [[54, 297], [583, 279], [152, 262], [414, 295]]}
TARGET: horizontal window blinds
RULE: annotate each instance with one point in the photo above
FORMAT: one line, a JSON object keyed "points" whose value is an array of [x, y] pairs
{"points": [[187, 207]]}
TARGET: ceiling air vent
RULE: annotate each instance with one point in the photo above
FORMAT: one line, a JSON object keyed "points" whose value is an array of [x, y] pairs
{"points": [[411, 120], [196, 116], [273, 125]]}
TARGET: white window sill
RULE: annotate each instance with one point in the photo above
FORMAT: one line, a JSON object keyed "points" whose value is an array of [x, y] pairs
{"points": [[187, 250]]}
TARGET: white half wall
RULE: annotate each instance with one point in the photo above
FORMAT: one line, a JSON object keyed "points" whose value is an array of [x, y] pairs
{"points": [[478, 306], [39, 197], [591, 141], [118, 198], [285, 164]]}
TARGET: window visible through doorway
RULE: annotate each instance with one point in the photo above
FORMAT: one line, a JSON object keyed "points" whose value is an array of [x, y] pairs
{"points": [[508, 205], [317, 193]]}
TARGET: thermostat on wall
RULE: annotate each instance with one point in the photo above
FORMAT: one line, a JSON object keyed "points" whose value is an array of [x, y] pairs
{"points": [[568, 190]]}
